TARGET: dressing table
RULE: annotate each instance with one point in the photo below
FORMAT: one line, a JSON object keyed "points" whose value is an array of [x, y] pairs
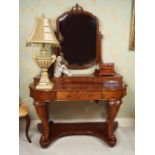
{"points": [[80, 39]]}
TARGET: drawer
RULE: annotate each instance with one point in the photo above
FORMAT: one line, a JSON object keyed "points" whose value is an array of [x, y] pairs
{"points": [[79, 96], [88, 95]]}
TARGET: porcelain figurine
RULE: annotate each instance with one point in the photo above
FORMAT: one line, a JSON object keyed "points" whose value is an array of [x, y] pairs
{"points": [[60, 68]]}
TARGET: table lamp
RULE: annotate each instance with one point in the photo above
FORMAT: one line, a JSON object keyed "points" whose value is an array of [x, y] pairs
{"points": [[43, 35]]}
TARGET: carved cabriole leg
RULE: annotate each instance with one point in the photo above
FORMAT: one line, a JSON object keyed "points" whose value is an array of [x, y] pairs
{"points": [[113, 107], [42, 111]]}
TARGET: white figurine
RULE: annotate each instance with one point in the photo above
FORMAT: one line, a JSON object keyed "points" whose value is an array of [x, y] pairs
{"points": [[60, 68]]}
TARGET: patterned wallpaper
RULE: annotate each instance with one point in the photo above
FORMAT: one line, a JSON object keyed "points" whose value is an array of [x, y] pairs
{"points": [[114, 16]]}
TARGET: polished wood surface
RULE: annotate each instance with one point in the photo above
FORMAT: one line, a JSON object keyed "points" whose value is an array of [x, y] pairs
{"points": [[79, 88], [58, 130], [103, 85]]}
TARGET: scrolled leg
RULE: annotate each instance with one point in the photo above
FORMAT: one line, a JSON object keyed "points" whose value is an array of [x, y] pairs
{"points": [[42, 111], [113, 107]]}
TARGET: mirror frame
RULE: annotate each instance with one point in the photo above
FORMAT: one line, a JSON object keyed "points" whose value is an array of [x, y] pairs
{"points": [[79, 10]]}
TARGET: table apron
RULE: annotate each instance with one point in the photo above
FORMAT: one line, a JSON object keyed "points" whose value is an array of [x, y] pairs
{"points": [[89, 95]]}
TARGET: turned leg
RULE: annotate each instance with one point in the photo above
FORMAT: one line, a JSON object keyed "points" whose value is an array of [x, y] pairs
{"points": [[113, 107], [42, 111], [27, 127]]}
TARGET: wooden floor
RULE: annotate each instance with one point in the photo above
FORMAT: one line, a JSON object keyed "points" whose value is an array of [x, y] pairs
{"points": [[78, 145]]}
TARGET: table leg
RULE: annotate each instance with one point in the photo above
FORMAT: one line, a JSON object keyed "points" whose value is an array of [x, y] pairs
{"points": [[42, 111], [113, 107], [28, 120]]}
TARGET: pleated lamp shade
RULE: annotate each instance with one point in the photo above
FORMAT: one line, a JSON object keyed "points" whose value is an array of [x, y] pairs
{"points": [[42, 33]]}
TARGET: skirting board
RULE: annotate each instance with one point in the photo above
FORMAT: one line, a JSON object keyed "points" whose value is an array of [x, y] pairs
{"points": [[123, 122]]}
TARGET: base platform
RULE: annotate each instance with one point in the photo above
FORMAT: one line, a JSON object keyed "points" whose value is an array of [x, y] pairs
{"points": [[58, 130]]}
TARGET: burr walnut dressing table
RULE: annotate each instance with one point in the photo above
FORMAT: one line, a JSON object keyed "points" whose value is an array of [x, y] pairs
{"points": [[80, 39]]}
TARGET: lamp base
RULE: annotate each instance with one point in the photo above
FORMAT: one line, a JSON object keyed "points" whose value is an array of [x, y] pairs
{"points": [[44, 86], [44, 82], [44, 61]]}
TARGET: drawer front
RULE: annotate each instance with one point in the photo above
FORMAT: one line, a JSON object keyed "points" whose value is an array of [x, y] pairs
{"points": [[89, 95], [78, 96]]}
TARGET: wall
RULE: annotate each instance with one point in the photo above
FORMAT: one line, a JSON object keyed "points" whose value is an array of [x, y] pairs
{"points": [[114, 16]]}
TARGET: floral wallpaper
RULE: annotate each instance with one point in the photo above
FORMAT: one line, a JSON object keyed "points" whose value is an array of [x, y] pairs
{"points": [[114, 16]]}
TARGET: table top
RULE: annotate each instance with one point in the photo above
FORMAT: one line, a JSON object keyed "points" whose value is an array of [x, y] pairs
{"points": [[86, 82], [81, 88]]}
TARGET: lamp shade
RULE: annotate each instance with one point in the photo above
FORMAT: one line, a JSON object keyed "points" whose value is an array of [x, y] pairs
{"points": [[42, 33]]}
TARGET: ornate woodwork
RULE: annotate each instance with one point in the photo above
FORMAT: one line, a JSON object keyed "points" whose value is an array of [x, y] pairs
{"points": [[78, 33], [104, 85], [79, 88]]}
